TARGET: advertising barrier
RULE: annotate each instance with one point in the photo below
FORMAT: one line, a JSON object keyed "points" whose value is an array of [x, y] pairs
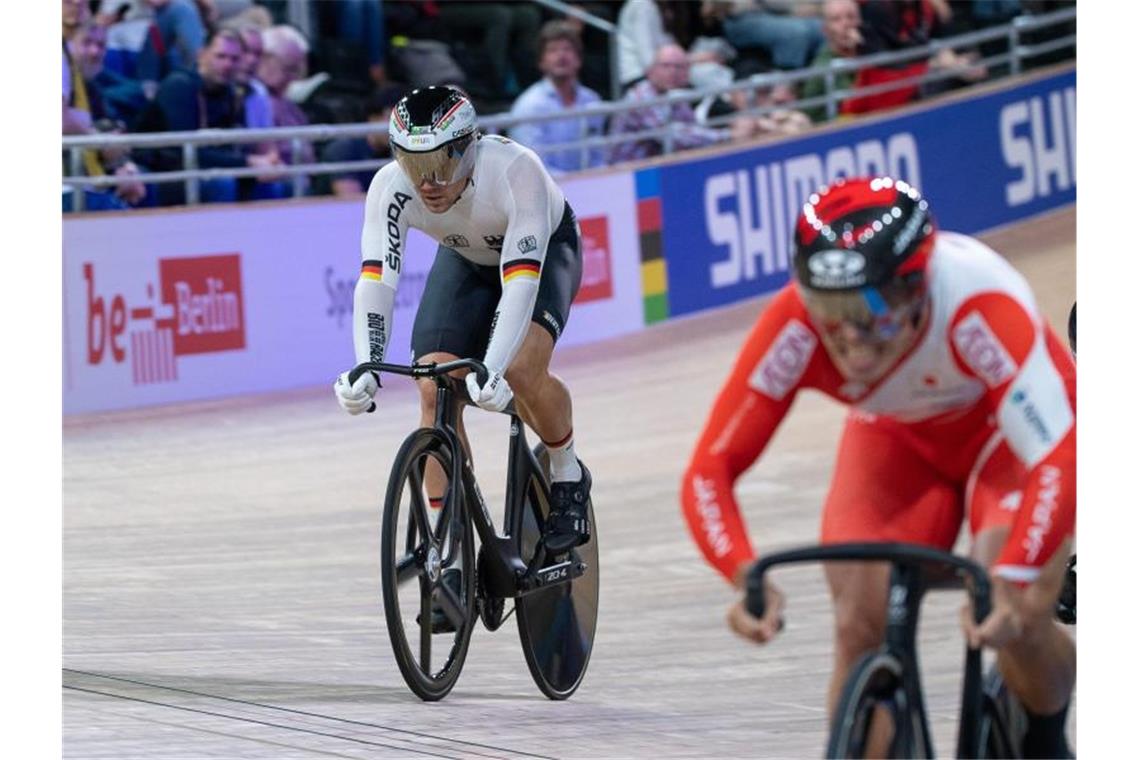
{"points": [[211, 302], [717, 230], [186, 305]]}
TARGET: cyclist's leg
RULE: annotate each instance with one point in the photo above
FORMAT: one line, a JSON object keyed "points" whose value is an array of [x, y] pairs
{"points": [[882, 490], [453, 321], [541, 397], [1039, 667]]}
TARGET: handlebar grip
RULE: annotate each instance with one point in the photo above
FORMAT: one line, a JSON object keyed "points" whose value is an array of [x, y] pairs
{"points": [[982, 604], [372, 407], [481, 373], [356, 373], [754, 597]]}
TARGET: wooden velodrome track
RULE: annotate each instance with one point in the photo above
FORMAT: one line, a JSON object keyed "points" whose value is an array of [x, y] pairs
{"points": [[221, 573]]}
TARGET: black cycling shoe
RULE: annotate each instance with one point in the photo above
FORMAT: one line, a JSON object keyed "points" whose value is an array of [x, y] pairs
{"points": [[452, 578], [568, 524]]}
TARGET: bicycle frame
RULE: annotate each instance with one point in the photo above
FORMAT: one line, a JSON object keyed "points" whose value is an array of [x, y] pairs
{"points": [[910, 578], [507, 575]]}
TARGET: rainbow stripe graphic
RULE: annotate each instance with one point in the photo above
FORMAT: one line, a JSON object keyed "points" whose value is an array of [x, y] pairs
{"points": [[372, 270], [654, 276], [521, 268]]}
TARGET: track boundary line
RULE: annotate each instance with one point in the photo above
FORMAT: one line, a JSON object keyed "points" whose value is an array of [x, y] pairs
{"points": [[306, 713]]}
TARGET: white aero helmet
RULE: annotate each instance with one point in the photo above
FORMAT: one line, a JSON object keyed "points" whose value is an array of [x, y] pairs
{"points": [[432, 131]]}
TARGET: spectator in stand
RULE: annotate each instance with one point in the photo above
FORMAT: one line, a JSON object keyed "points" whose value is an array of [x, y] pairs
{"points": [[206, 98], [84, 114], [76, 121], [283, 62], [113, 97], [644, 25], [508, 31], [252, 91], [378, 109], [780, 121], [786, 32], [897, 25], [841, 23], [560, 60], [670, 71], [181, 33]]}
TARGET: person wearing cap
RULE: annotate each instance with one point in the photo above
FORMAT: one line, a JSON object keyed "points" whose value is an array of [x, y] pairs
{"points": [[963, 410], [507, 268]]}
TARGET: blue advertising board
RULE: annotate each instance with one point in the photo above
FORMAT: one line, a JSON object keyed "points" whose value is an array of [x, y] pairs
{"points": [[726, 220]]}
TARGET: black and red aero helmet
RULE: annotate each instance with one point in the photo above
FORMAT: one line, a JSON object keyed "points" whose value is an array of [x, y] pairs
{"points": [[862, 232]]}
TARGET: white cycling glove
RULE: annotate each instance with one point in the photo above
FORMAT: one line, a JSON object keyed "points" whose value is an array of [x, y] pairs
{"points": [[495, 393], [357, 397]]}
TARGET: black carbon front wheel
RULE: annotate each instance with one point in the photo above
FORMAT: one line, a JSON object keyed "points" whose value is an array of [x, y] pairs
{"points": [[557, 624], [875, 682], [1002, 722], [427, 569]]}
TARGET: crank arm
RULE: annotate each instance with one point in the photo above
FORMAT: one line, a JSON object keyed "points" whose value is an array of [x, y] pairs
{"points": [[561, 572]]}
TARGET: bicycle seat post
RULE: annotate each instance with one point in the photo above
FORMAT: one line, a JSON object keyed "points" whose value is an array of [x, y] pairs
{"points": [[445, 404]]}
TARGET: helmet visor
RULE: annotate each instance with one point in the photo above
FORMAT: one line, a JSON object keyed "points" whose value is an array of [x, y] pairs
{"points": [[437, 167], [877, 314]]}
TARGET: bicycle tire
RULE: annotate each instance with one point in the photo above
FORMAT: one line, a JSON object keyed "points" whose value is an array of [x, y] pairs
{"points": [[399, 570], [875, 679], [1002, 720], [556, 625]]}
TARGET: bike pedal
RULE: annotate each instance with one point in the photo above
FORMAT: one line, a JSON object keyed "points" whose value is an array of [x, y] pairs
{"points": [[453, 579]]}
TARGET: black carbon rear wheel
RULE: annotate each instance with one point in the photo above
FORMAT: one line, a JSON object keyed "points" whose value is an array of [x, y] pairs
{"points": [[557, 624]]}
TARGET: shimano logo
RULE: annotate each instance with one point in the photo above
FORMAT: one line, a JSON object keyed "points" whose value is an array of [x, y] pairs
{"points": [[1049, 488], [711, 520]]}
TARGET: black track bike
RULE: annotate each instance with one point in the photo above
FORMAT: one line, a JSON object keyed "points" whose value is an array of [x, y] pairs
{"points": [[888, 678], [436, 585]]}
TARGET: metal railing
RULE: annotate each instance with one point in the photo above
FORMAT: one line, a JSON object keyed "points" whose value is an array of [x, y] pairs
{"points": [[191, 174]]}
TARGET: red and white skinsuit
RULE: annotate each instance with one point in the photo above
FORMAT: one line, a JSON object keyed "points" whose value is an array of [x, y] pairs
{"points": [[978, 419]]}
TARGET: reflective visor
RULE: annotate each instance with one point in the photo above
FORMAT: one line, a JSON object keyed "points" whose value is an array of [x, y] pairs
{"points": [[438, 167], [878, 314]]}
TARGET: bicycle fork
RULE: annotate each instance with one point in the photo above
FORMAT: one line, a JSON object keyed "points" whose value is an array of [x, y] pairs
{"points": [[906, 590]]}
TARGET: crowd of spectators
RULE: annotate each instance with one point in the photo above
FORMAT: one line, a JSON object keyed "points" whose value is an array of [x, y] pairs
{"points": [[180, 65]]}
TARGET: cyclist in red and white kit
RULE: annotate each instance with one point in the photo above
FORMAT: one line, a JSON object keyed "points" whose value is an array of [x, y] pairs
{"points": [[962, 406]]}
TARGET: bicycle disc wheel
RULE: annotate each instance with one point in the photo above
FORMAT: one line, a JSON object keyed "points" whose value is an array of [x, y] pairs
{"points": [[556, 624], [427, 569], [875, 681]]}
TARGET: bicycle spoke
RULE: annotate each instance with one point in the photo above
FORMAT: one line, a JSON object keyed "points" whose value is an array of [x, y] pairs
{"points": [[444, 518], [425, 627], [451, 606], [407, 568], [419, 508]]}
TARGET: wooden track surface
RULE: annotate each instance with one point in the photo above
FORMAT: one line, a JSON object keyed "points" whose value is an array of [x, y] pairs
{"points": [[221, 573]]}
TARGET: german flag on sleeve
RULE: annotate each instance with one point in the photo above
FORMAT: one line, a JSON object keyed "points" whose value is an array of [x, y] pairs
{"points": [[521, 268], [372, 270]]}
